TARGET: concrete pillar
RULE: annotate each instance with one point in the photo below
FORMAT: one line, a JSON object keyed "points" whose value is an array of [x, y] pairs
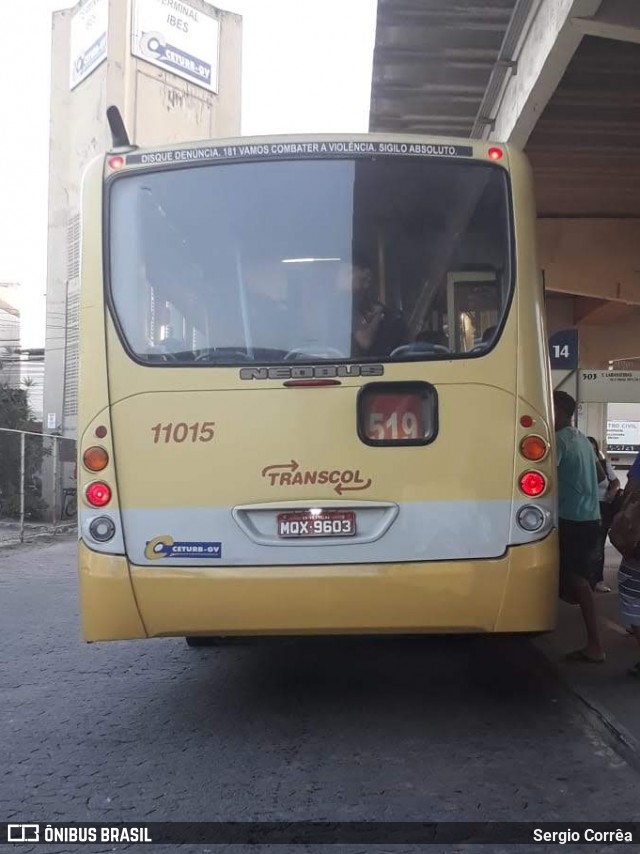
{"points": [[158, 107], [549, 43], [592, 420]]}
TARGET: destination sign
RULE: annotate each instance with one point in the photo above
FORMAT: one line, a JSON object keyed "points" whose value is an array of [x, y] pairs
{"points": [[599, 386], [304, 149]]}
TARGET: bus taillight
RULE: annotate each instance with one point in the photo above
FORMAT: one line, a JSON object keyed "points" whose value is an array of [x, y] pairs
{"points": [[532, 483], [533, 448], [102, 529], [530, 518], [495, 153], [98, 493], [95, 458]]}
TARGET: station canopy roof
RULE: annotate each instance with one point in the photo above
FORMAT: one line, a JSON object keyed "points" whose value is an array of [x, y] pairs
{"points": [[433, 61]]}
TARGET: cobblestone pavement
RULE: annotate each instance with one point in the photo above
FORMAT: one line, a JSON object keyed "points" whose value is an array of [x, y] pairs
{"points": [[355, 729]]}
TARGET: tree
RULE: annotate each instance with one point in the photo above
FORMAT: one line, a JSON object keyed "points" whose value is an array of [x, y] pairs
{"points": [[15, 415]]}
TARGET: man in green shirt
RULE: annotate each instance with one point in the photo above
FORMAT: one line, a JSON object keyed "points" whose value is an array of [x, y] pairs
{"points": [[579, 520]]}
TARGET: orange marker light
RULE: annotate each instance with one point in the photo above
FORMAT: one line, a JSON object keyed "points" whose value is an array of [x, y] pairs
{"points": [[533, 448], [95, 458], [98, 494], [532, 483], [495, 153]]}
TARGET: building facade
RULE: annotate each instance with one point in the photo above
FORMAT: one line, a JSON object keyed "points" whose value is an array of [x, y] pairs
{"points": [[173, 68], [9, 334], [32, 380]]}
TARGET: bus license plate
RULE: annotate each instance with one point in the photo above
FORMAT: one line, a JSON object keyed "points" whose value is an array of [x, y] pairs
{"points": [[326, 523]]}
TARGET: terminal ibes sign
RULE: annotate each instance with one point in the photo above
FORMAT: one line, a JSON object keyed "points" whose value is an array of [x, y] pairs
{"points": [[623, 436], [88, 38], [609, 386], [178, 38]]}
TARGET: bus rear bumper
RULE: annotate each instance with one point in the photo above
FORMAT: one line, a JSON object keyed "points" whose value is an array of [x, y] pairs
{"points": [[515, 593]]}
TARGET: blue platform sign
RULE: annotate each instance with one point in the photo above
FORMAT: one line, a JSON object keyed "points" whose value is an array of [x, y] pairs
{"points": [[563, 349]]}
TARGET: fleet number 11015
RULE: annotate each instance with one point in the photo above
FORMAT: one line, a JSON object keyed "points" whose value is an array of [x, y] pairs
{"points": [[182, 432]]}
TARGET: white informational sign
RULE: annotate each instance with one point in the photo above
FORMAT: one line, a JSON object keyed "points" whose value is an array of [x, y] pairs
{"points": [[176, 37], [51, 421], [623, 436], [609, 386], [88, 39]]}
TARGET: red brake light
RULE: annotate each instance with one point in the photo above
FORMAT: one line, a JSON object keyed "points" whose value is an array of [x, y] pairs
{"points": [[116, 162], [532, 483], [526, 421], [310, 383], [495, 153], [98, 494]]}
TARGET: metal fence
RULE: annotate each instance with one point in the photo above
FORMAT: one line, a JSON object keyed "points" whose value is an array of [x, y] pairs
{"points": [[38, 488]]}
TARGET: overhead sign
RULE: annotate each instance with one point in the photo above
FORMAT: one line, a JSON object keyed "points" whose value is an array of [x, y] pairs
{"points": [[563, 350], [292, 150], [176, 37], [609, 386], [623, 436], [88, 39]]}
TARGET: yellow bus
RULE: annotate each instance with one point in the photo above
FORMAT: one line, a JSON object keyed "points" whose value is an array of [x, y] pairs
{"points": [[314, 391]]}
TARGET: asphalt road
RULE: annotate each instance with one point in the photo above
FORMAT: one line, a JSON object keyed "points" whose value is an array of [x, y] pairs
{"points": [[322, 729]]}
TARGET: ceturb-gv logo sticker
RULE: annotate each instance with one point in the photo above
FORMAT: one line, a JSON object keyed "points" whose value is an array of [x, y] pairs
{"points": [[164, 546]]}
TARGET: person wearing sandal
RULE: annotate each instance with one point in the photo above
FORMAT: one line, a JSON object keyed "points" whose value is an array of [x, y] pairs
{"points": [[629, 571], [578, 523]]}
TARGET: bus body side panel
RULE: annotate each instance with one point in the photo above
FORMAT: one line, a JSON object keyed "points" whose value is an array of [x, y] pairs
{"points": [[109, 609], [93, 397], [533, 369]]}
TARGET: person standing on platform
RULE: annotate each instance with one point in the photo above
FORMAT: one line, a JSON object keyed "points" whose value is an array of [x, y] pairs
{"points": [[579, 522]]}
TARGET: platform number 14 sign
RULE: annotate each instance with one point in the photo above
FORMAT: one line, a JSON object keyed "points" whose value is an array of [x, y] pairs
{"points": [[563, 350]]}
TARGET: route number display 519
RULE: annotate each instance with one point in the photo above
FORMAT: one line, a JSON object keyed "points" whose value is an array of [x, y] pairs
{"points": [[394, 417]]}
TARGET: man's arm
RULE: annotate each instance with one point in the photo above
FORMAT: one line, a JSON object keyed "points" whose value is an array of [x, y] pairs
{"points": [[614, 483]]}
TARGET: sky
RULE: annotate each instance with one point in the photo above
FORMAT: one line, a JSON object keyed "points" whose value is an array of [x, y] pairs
{"points": [[306, 68]]}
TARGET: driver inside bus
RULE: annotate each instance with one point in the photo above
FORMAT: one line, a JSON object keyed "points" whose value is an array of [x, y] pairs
{"points": [[377, 330]]}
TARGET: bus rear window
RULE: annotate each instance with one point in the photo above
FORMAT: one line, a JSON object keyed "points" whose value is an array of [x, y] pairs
{"points": [[293, 261]]}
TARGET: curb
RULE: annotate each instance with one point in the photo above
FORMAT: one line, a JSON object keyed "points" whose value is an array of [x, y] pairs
{"points": [[610, 731], [613, 733], [32, 538]]}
